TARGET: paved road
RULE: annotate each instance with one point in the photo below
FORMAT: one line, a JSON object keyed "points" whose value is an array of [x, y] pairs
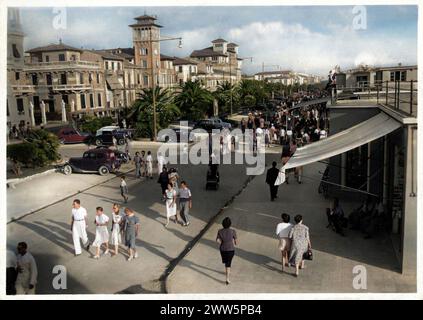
{"points": [[256, 266], [48, 235]]}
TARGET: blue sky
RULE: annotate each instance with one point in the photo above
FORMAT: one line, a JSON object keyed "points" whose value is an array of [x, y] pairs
{"points": [[303, 38]]}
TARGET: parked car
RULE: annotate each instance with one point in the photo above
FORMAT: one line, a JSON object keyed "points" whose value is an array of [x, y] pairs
{"points": [[208, 125], [221, 122], [110, 136], [101, 160], [70, 135], [181, 135], [121, 156]]}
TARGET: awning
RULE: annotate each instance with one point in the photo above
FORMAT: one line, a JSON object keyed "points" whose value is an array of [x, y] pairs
{"points": [[114, 83], [358, 135]]}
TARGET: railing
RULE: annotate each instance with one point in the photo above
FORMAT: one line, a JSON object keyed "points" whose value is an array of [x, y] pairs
{"points": [[55, 64], [23, 88], [76, 87], [397, 95]]}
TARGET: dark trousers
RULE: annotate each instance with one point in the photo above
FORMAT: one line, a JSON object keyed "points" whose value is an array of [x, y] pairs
{"points": [[273, 192], [10, 281]]}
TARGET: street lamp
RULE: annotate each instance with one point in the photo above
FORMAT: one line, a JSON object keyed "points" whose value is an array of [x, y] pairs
{"points": [[153, 77]]}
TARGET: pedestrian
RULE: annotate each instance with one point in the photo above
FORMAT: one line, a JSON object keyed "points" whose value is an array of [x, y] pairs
{"points": [[337, 217], [149, 165], [116, 239], [161, 162], [123, 188], [185, 203], [170, 195], [163, 180], [282, 231], [11, 265], [300, 238], [143, 164], [138, 163], [131, 228], [27, 271], [79, 226], [227, 239], [101, 232], [271, 176]]}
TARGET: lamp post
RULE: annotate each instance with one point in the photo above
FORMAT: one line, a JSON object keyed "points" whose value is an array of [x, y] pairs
{"points": [[153, 77]]}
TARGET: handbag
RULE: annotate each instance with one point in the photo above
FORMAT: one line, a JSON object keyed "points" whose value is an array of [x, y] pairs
{"points": [[308, 255]]}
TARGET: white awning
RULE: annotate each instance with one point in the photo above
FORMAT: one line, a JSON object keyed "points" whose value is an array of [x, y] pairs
{"points": [[365, 132]]}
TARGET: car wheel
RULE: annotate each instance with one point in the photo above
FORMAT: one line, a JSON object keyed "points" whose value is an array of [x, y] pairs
{"points": [[103, 170], [98, 142], [62, 141], [67, 169], [121, 141]]}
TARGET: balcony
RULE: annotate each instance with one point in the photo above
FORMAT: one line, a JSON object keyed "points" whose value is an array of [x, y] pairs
{"points": [[71, 88], [62, 65], [19, 90]]}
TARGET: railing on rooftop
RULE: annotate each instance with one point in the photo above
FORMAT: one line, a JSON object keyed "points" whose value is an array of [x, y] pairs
{"points": [[397, 95]]}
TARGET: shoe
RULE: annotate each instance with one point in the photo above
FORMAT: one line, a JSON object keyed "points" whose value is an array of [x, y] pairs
{"points": [[136, 255], [130, 258], [88, 247], [187, 224], [166, 224], [227, 282], [77, 254], [106, 252], [96, 257]]}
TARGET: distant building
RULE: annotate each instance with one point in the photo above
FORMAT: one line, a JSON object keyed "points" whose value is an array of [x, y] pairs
{"points": [[287, 77]]}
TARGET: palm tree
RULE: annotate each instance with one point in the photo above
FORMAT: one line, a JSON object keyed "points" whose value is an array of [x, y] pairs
{"points": [[225, 93], [194, 101], [142, 110]]}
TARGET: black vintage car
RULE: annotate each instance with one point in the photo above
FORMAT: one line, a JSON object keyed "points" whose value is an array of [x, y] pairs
{"points": [[101, 160], [109, 136]]}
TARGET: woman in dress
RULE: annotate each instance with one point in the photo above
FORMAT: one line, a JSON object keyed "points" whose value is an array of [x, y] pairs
{"points": [[300, 238], [170, 195], [228, 240], [116, 239], [101, 233], [282, 231], [149, 163]]}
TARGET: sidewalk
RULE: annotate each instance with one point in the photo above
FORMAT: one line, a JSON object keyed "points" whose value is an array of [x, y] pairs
{"points": [[256, 266]]}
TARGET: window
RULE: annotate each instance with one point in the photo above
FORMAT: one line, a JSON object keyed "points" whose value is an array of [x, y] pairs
{"points": [[81, 78], [91, 101], [20, 105], [17, 75], [144, 63], [47, 59], [214, 58], [34, 79], [83, 105], [180, 68], [98, 77], [144, 51], [90, 77], [107, 65], [118, 65], [403, 75], [63, 79], [146, 80], [99, 99], [73, 57], [61, 57], [7, 107], [138, 78], [113, 66], [157, 64], [15, 50]]}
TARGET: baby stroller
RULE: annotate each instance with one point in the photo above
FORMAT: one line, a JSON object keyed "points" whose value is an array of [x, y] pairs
{"points": [[213, 178]]}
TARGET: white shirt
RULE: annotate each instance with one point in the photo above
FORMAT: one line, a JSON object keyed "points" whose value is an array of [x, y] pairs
{"points": [[101, 219], [289, 132], [282, 229], [259, 131], [29, 269], [79, 214], [123, 183], [161, 160], [149, 158]]}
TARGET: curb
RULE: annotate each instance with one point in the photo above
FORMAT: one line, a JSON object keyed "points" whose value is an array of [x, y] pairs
{"points": [[14, 219], [11, 183]]}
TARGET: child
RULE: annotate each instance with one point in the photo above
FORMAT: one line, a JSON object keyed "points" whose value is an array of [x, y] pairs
{"points": [[132, 224], [123, 189], [149, 162], [117, 220], [101, 233]]}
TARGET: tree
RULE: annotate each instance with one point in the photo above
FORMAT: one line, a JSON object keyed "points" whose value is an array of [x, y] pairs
{"points": [[194, 101], [223, 96], [141, 111], [255, 88], [91, 123]]}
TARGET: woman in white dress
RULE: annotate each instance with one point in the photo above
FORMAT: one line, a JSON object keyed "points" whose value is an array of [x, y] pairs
{"points": [[149, 163], [116, 239], [170, 194], [101, 233]]}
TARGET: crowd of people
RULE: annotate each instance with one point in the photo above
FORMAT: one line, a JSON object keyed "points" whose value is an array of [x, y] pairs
{"points": [[20, 131]]}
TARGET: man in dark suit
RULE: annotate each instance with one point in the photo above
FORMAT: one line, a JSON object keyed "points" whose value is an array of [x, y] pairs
{"points": [[271, 176]]}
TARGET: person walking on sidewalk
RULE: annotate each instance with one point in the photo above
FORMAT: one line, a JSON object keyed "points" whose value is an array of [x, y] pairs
{"points": [[163, 180], [79, 227], [185, 203], [131, 227], [271, 176], [27, 271], [170, 195], [116, 239], [101, 233], [282, 231], [227, 239], [138, 163], [149, 164], [300, 238], [161, 162], [143, 164], [124, 188]]}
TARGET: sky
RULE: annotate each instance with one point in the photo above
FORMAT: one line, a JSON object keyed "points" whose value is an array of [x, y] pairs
{"points": [[311, 39]]}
